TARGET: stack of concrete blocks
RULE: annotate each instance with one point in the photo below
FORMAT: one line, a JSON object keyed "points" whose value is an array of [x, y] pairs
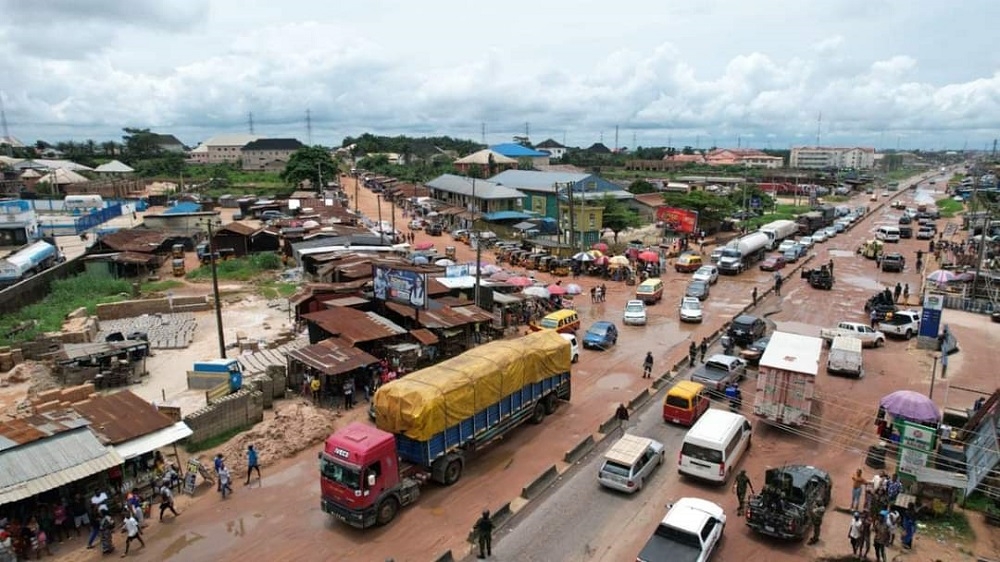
{"points": [[265, 386], [278, 374], [9, 358], [62, 398], [41, 347], [240, 409], [130, 309]]}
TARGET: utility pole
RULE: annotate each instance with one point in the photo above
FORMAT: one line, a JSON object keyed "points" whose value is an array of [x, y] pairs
{"points": [[616, 139], [319, 170], [381, 232], [572, 222], [819, 125], [215, 290], [479, 244]]}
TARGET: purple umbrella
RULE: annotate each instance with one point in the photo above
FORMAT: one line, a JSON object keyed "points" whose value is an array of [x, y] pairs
{"points": [[911, 405]]}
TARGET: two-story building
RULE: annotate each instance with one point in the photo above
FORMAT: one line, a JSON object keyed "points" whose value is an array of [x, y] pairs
{"points": [[480, 196], [269, 155], [222, 148], [746, 157], [807, 157], [555, 150]]}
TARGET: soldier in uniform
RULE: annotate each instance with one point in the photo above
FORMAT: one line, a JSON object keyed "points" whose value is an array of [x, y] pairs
{"points": [[816, 514], [484, 535], [742, 481]]}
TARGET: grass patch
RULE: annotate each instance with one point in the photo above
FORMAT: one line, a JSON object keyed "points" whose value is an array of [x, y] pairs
{"points": [[978, 502], [213, 442], [791, 209], [276, 289], [901, 174], [836, 198], [65, 296], [950, 526], [948, 207], [239, 269], [161, 286]]}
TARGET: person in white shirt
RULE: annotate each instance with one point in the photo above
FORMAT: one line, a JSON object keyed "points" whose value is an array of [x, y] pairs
{"points": [[166, 500], [99, 499], [132, 531], [224, 481]]}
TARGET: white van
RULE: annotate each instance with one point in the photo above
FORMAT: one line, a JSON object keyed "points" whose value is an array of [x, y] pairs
{"points": [[887, 233], [845, 357], [83, 202], [714, 445]]}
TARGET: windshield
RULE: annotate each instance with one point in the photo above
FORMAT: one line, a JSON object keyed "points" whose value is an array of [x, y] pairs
{"points": [[704, 271], [688, 305], [633, 308], [678, 536], [549, 323], [597, 330], [730, 253], [347, 477]]}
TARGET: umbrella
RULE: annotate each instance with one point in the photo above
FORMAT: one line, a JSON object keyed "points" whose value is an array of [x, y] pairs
{"points": [[601, 260], [600, 246], [911, 405], [444, 262], [424, 245], [556, 289], [941, 276], [520, 281], [583, 256], [500, 276], [490, 269], [595, 253], [649, 255], [965, 276], [618, 260], [573, 289], [420, 260], [540, 292]]}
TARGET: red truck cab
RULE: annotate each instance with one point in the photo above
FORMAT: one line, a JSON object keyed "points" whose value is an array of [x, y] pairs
{"points": [[360, 479]]}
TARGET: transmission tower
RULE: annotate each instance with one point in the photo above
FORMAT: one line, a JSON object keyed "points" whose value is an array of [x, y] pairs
{"points": [[250, 121], [309, 127]]}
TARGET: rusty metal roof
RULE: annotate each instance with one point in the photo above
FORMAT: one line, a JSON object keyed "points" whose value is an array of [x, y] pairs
{"points": [[444, 317], [315, 289], [240, 228], [20, 431], [354, 326], [119, 417], [141, 240], [424, 336], [331, 357]]}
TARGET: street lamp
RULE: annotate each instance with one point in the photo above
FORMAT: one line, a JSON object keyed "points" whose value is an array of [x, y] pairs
{"points": [[215, 285]]}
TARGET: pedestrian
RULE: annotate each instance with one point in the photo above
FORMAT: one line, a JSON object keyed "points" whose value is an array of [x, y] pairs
{"points": [[754, 295], [734, 396], [134, 504], [858, 483], [225, 481], [604, 292], [78, 507], [892, 518], [647, 366], [132, 532], [909, 526], [831, 266], [777, 284], [314, 387], [742, 482], [107, 527], [816, 518], [854, 534], [692, 354], [349, 394], [906, 294], [484, 534], [217, 464], [167, 501], [873, 316], [621, 414], [893, 488], [880, 539], [593, 295], [703, 348], [95, 525], [866, 535], [253, 463], [897, 292]]}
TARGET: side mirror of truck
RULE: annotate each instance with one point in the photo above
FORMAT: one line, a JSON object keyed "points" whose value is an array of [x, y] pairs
{"points": [[371, 479]]}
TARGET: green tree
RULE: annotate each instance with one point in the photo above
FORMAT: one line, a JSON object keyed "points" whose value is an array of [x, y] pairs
{"points": [[638, 187], [617, 216], [140, 144], [308, 163], [711, 208]]}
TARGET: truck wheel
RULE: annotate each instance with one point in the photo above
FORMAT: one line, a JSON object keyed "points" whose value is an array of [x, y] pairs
{"points": [[538, 414], [909, 334], [550, 404], [453, 472], [879, 343], [386, 511]]}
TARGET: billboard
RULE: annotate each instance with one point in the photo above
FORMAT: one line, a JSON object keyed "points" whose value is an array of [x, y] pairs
{"points": [[930, 318], [400, 285], [677, 219], [916, 444]]}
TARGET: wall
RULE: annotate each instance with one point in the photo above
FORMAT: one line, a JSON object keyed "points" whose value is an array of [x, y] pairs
{"points": [[131, 309], [240, 409], [34, 289]]}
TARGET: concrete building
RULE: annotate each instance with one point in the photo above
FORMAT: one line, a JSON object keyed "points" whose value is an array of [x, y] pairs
{"points": [[746, 157], [268, 154], [807, 157], [226, 148], [471, 194], [555, 150], [519, 152]]}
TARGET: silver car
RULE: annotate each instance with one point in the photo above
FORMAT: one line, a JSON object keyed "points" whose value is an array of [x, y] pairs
{"points": [[630, 462]]}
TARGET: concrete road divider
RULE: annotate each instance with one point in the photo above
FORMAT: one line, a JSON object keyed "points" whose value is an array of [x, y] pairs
{"points": [[498, 518], [608, 425], [578, 452], [446, 557], [540, 483], [639, 400]]}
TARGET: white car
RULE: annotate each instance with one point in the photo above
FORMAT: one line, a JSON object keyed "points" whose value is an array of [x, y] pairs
{"points": [[807, 241], [819, 236], [786, 245], [830, 231], [691, 310], [635, 313], [574, 347], [706, 273], [416, 224]]}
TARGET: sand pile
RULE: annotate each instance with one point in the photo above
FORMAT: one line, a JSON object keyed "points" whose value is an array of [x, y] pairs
{"points": [[295, 426], [38, 374]]}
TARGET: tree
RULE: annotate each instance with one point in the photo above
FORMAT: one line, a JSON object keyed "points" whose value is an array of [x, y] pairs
{"points": [[618, 217], [638, 187], [308, 163], [711, 208], [140, 144]]}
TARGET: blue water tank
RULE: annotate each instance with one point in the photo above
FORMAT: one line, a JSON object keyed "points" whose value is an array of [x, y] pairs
{"points": [[235, 381]]}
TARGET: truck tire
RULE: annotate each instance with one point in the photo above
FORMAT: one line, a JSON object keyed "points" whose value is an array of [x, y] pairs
{"points": [[879, 342], [538, 414], [386, 511], [453, 472], [550, 403], [909, 334]]}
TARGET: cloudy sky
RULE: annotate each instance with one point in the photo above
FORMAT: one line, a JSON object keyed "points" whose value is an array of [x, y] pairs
{"points": [[883, 73]]}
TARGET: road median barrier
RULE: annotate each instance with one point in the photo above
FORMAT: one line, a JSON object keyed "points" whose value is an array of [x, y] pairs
{"points": [[576, 453], [498, 518], [540, 483], [608, 425], [446, 557], [639, 400]]}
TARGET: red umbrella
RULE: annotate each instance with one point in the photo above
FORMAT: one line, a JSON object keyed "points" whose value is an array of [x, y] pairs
{"points": [[424, 246], [603, 260], [649, 255], [500, 276], [520, 281], [600, 246], [556, 289]]}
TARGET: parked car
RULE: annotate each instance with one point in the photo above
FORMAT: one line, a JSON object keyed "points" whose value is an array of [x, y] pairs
{"points": [[772, 263], [830, 231], [746, 328], [697, 289], [786, 245], [925, 234], [416, 224], [690, 310], [601, 335], [635, 313], [707, 273], [905, 219], [753, 352], [893, 262], [806, 241], [434, 229], [841, 225], [791, 255], [819, 236]]}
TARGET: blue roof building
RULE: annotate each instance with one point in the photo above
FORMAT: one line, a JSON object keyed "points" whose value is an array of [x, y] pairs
{"points": [[519, 152]]}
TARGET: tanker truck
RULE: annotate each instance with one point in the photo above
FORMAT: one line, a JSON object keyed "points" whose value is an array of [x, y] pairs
{"points": [[26, 262], [779, 230], [430, 422], [742, 254]]}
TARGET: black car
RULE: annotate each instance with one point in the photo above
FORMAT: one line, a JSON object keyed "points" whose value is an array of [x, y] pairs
{"points": [[906, 232], [753, 352], [745, 329], [905, 219], [893, 262], [697, 289]]}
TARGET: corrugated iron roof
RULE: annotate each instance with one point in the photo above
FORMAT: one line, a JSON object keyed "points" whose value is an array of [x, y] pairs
{"points": [[240, 228], [152, 441], [354, 326], [142, 240], [331, 357], [119, 417], [21, 431], [424, 336], [49, 463], [444, 317]]}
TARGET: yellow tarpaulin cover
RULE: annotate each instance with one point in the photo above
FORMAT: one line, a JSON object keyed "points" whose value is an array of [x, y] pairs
{"points": [[428, 401]]}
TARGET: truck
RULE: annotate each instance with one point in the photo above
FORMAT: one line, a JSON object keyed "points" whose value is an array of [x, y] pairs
{"points": [[869, 336], [718, 371], [779, 230], [739, 256], [810, 222], [781, 509], [212, 373], [901, 323], [429, 423], [30, 260], [786, 379], [690, 532], [845, 357]]}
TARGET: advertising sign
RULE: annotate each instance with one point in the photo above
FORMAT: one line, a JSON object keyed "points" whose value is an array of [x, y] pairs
{"points": [[456, 271], [400, 285], [930, 318], [981, 453], [678, 220], [915, 445]]}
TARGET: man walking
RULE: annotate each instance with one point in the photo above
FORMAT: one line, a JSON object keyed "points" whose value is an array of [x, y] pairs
{"points": [[218, 467], [132, 531], [314, 386], [742, 482], [349, 394], [252, 464], [880, 539], [692, 354], [703, 348], [647, 366], [906, 294], [621, 414], [816, 518], [897, 292], [484, 535], [777, 284], [604, 292], [754, 295], [225, 481], [167, 500]]}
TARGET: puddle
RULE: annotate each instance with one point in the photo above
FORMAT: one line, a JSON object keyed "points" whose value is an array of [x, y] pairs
{"points": [[616, 381], [180, 544], [861, 282]]}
